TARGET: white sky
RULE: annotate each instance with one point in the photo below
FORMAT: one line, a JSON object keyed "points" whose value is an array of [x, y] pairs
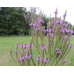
{"points": [[48, 6]]}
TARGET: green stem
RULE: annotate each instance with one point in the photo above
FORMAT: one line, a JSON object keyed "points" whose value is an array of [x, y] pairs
{"points": [[13, 57]]}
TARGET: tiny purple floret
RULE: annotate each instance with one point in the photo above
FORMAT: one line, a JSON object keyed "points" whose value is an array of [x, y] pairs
{"points": [[62, 31], [66, 60], [43, 47], [56, 12], [30, 45], [65, 37], [40, 20], [69, 37], [61, 21], [28, 55], [24, 50], [39, 59], [31, 24], [58, 51], [51, 35], [64, 25], [70, 46], [10, 52], [53, 22], [16, 50], [46, 59], [20, 51], [20, 58], [57, 21], [37, 29], [24, 45], [64, 15], [17, 45], [21, 45]]}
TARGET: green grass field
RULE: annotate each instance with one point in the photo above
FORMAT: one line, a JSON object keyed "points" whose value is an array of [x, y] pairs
{"points": [[8, 43]]}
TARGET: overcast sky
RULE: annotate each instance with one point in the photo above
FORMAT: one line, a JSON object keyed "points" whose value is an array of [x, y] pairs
{"points": [[47, 6]]}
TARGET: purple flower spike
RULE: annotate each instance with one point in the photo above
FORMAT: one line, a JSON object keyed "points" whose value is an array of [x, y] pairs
{"points": [[43, 29], [20, 51], [24, 46], [65, 37], [66, 60], [69, 37], [61, 21], [67, 45], [18, 59], [37, 29], [64, 15], [53, 22], [28, 55], [30, 45], [40, 20], [49, 30], [50, 17], [57, 22], [31, 24], [21, 57], [46, 59], [32, 9], [50, 26], [16, 50], [24, 50], [36, 24], [56, 12], [62, 60], [10, 52], [27, 48], [61, 27], [58, 51], [17, 45], [51, 35], [71, 31], [64, 25], [43, 47], [39, 59], [62, 31], [21, 45], [70, 46], [66, 30]]}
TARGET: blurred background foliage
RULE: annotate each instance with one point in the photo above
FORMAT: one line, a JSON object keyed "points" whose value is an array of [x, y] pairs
{"points": [[16, 20]]}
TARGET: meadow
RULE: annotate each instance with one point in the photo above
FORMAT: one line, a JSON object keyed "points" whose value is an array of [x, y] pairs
{"points": [[8, 43]]}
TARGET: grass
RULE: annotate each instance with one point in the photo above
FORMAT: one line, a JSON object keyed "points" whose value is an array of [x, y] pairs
{"points": [[8, 43]]}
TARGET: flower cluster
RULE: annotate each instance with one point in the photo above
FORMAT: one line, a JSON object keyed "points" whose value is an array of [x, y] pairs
{"points": [[51, 43], [24, 54], [58, 51]]}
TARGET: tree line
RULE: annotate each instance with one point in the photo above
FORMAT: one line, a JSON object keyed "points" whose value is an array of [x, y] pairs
{"points": [[13, 21]]}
